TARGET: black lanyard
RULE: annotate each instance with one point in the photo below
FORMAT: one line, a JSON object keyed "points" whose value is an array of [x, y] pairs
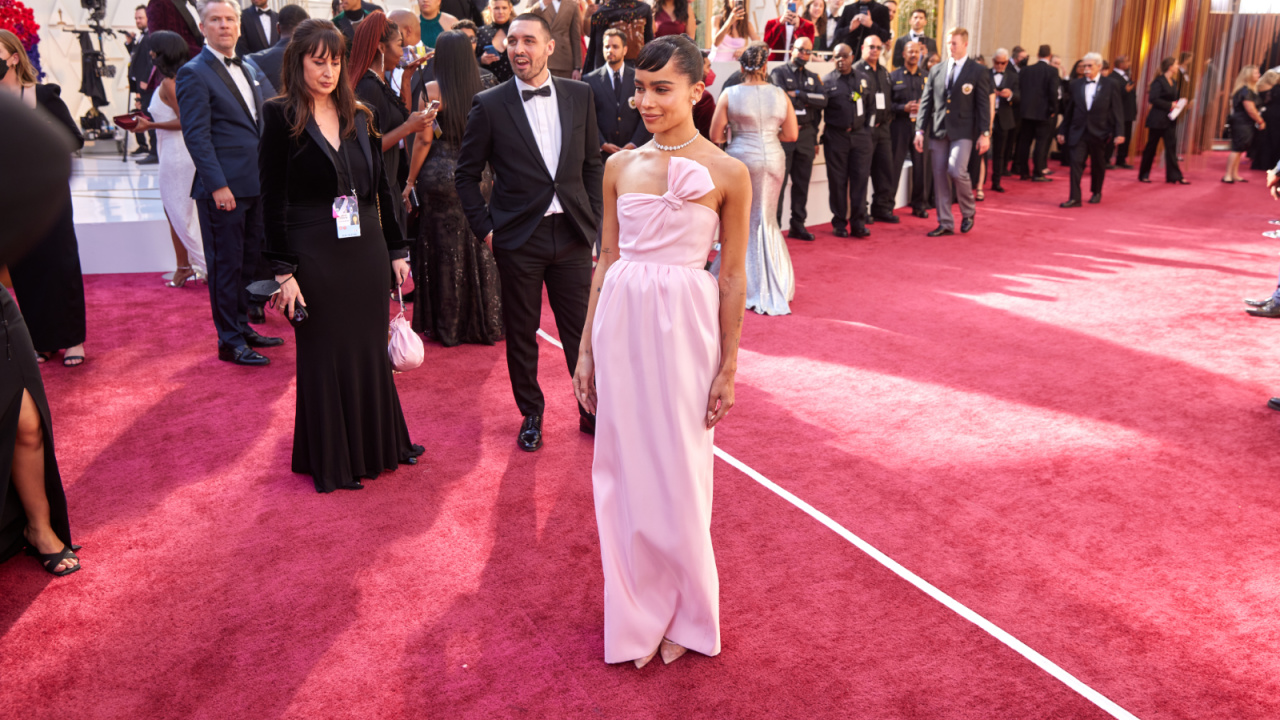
{"points": [[345, 167]]}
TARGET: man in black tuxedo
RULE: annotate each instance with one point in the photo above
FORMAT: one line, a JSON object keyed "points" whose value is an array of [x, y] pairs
{"points": [[258, 29], [1038, 86], [539, 133], [1094, 120], [1005, 80], [919, 20], [861, 19], [613, 85], [270, 61], [220, 98], [804, 87], [1129, 96], [955, 116]]}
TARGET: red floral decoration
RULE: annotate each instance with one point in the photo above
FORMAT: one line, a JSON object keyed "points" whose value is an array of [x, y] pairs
{"points": [[17, 19]]}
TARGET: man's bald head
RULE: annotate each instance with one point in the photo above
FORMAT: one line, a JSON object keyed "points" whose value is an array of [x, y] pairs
{"points": [[410, 30]]}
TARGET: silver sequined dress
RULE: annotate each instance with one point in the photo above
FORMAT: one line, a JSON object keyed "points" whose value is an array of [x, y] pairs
{"points": [[756, 112]]}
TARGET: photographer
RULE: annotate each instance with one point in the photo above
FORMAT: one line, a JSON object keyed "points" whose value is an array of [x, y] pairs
{"points": [[859, 20], [139, 49], [780, 34]]}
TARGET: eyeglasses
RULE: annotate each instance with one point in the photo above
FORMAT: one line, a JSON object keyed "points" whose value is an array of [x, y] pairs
{"points": [[876, 47], [803, 51]]}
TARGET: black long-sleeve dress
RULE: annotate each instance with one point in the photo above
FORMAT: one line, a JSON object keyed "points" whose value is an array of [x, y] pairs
{"points": [[633, 17], [47, 280], [45, 153], [389, 113], [348, 424], [1266, 143]]}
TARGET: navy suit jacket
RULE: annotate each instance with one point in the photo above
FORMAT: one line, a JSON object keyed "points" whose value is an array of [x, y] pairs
{"points": [[271, 61], [619, 123], [219, 131]]}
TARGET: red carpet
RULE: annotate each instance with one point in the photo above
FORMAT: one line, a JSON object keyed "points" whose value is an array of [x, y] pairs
{"points": [[1058, 419]]}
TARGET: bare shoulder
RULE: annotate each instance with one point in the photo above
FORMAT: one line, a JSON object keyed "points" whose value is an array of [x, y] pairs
{"points": [[621, 160], [726, 171]]}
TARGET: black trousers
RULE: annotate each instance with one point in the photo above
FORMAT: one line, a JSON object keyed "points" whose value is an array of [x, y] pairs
{"points": [[848, 156], [903, 132], [556, 256], [1011, 144], [1039, 132], [1169, 135], [885, 194], [800, 156], [976, 161], [233, 252], [1121, 151], [1095, 149], [1000, 141]]}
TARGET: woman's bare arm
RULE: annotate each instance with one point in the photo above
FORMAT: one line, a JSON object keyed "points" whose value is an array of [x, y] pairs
{"points": [[584, 384], [735, 227]]}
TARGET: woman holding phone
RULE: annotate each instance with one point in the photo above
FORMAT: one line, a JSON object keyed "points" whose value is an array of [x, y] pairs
{"points": [[459, 296], [332, 234], [491, 41], [734, 28]]}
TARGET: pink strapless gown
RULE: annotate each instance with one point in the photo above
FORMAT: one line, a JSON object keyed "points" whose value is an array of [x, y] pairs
{"points": [[656, 340]]}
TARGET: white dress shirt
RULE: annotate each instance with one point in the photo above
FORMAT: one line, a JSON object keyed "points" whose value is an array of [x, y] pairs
{"points": [[544, 119], [1090, 89], [265, 20], [998, 78], [241, 80]]}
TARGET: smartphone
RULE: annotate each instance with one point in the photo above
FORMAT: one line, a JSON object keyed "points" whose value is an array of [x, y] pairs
{"points": [[491, 50], [408, 56], [413, 198], [791, 7], [740, 4], [432, 106]]}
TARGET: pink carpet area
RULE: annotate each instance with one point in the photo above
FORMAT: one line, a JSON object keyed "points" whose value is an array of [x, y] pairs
{"points": [[1058, 420]]}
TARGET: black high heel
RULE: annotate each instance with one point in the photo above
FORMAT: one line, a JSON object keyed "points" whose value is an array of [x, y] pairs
{"points": [[53, 560]]}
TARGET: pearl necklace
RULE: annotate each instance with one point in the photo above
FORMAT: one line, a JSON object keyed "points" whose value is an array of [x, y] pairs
{"points": [[673, 148]]}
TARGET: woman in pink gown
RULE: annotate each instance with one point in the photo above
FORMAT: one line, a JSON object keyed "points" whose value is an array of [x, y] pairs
{"points": [[658, 364]]}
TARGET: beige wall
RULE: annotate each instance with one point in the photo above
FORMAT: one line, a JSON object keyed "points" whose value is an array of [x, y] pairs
{"points": [[1071, 27]]}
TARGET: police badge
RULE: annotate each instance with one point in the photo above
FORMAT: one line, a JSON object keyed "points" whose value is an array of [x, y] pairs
{"points": [[967, 88]]}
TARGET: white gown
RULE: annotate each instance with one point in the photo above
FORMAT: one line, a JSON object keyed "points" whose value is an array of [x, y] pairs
{"points": [[176, 175]]}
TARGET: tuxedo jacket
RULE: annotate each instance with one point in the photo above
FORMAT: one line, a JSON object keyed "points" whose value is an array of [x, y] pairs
{"points": [[566, 30], [176, 16], [1005, 116], [953, 113], [1162, 97], [1129, 98], [900, 47], [1103, 121], [853, 35], [619, 123], [1038, 90], [216, 125], [252, 39], [271, 61], [498, 134]]}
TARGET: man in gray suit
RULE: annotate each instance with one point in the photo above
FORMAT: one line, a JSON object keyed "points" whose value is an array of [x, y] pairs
{"points": [[955, 115], [566, 30]]}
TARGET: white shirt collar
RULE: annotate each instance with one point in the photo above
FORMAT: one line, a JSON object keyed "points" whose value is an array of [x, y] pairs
{"points": [[216, 51], [522, 85]]}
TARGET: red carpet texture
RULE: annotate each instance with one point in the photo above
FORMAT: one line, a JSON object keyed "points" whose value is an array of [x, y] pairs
{"points": [[1058, 419]]}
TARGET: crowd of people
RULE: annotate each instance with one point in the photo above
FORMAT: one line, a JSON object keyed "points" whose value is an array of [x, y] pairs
{"points": [[492, 153]]}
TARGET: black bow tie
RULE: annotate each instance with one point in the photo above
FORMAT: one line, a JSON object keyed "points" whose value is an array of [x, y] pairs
{"points": [[233, 61], [544, 91], [262, 11], [1090, 82]]}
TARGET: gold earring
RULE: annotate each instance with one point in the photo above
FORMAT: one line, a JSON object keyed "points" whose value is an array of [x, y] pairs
{"points": [[632, 102]]}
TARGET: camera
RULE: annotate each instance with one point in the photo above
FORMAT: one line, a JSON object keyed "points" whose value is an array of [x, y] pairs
{"points": [[97, 9]]}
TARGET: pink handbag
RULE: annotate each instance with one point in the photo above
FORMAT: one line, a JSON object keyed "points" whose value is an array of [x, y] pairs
{"points": [[404, 347]]}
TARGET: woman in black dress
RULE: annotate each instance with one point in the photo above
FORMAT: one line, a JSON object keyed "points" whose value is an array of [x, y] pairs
{"points": [[1266, 144], [33, 507], [47, 280], [459, 297], [316, 148], [1243, 119], [377, 49]]}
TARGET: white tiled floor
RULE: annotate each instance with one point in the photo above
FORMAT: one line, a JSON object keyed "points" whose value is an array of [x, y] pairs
{"points": [[105, 190]]}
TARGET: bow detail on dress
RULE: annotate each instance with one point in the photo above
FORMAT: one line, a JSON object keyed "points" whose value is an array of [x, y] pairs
{"points": [[686, 180]]}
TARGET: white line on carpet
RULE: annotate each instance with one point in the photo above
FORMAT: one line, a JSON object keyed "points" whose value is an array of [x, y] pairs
{"points": [[921, 584]]}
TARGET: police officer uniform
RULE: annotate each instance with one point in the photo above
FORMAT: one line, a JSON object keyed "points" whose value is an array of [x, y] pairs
{"points": [[879, 117], [908, 87], [805, 90], [847, 142]]}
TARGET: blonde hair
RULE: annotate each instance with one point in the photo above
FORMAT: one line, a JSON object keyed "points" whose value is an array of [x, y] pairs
{"points": [[26, 71], [1270, 79], [1244, 79], [959, 31]]}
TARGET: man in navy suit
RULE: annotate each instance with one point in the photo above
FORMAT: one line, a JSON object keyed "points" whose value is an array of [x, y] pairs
{"points": [[220, 97], [613, 84], [271, 60], [1093, 122]]}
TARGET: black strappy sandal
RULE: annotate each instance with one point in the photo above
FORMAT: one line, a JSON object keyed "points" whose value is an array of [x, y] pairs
{"points": [[53, 560]]}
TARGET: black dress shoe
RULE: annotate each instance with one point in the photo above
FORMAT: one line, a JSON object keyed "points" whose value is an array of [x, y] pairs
{"points": [[1257, 303], [1024, 177], [257, 315], [242, 355], [920, 213], [859, 231], [530, 437], [143, 150], [1095, 198], [997, 188], [840, 232], [1270, 310], [1109, 166], [889, 218], [587, 424], [1124, 166], [1180, 181], [966, 225], [1144, 180], [869, 220], [1274, 404], [1072, 203], [148, 160], [254, 340], [1041, 178], [800, 234], [940, 231]]}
